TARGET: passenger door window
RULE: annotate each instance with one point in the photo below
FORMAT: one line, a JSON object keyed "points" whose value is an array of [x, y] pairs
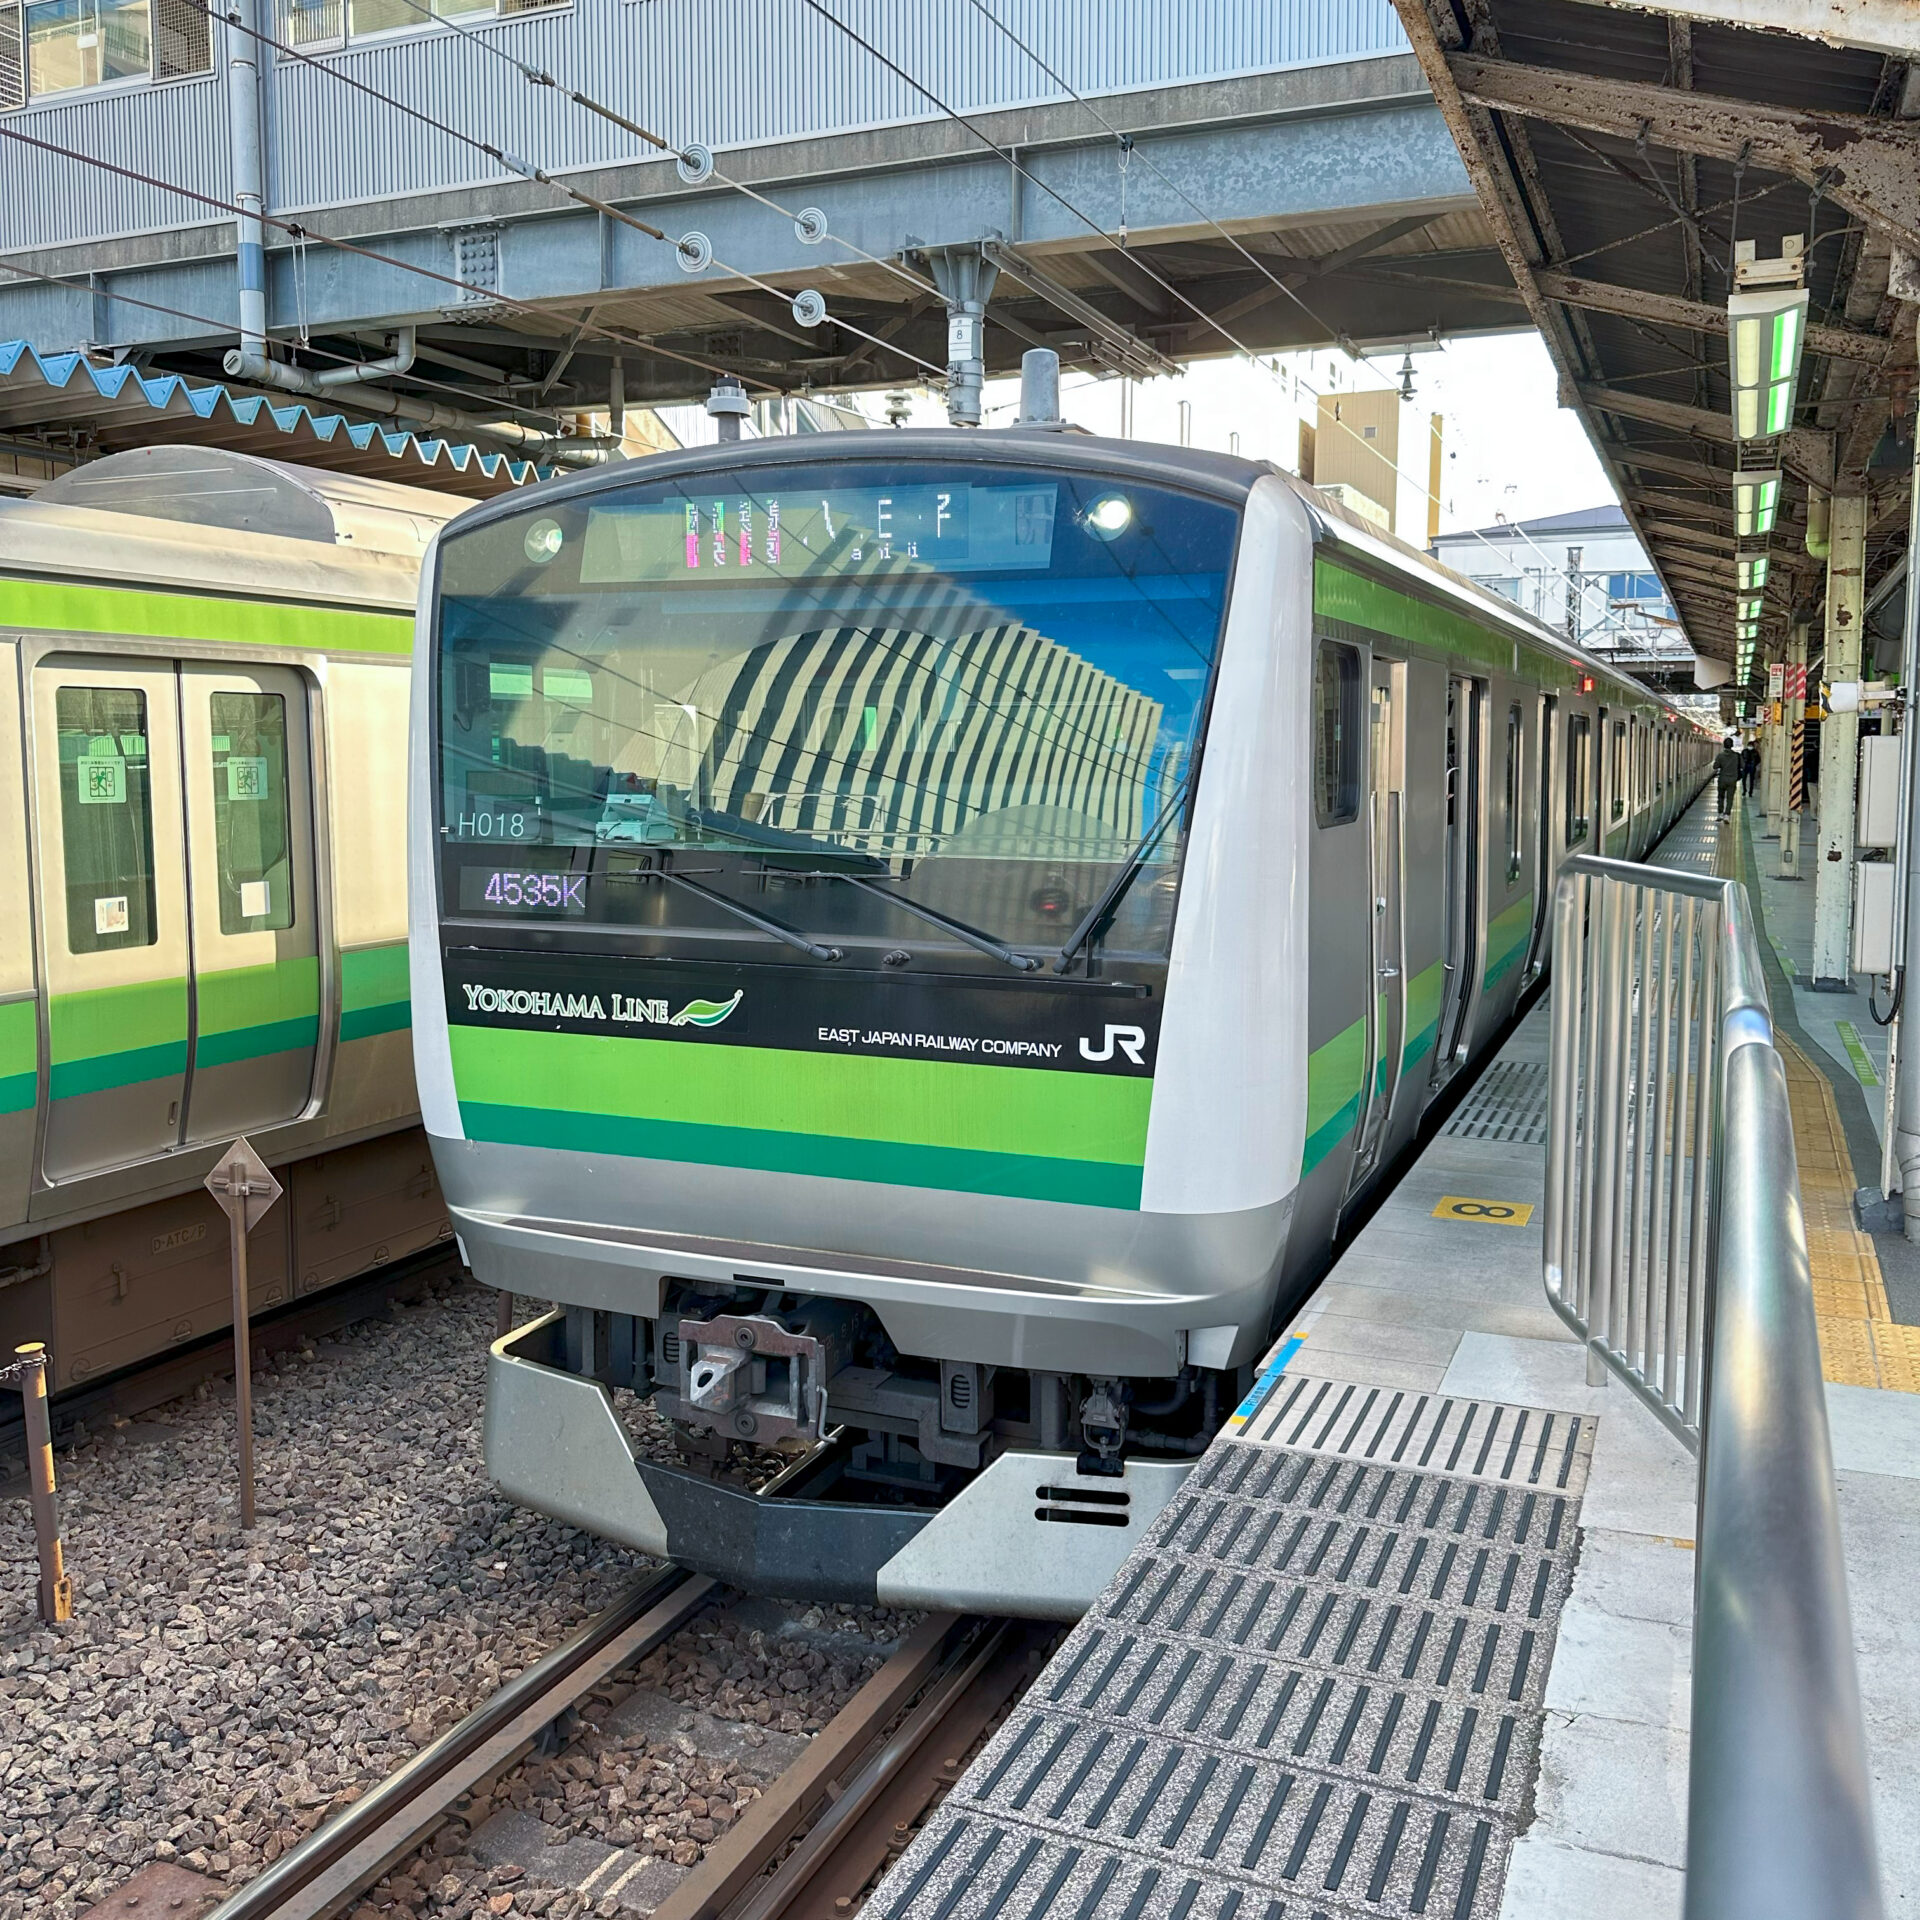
{"points": [[1336, 733], [106, 818], [1515, 743], [1579, 776]]}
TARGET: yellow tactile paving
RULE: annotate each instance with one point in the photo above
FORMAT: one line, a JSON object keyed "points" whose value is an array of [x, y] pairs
{"points": [[1897, 1349], [1861, 1344]]}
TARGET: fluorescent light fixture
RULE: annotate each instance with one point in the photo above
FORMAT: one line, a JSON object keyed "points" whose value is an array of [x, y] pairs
{"points": [[1753, 571], [1765, 333], [1756, 501]]}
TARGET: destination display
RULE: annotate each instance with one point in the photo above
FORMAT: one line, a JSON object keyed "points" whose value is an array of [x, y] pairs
{"points": [[794, 535], [1069, 1026]]}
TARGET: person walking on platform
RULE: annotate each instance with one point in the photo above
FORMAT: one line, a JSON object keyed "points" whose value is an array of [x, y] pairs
{"points": [[1750, 767], [1728, 764]]}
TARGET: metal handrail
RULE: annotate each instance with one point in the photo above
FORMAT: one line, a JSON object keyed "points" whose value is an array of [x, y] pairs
{"points": [[1675, 1247]]}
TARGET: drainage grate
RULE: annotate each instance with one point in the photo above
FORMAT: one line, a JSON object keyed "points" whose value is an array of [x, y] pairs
{"points": [[1510, 1103], [1316, 1688]]}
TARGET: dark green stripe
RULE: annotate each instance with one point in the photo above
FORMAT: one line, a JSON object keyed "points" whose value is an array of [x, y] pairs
{"points": [[361, 1023], [18, 1091], [1089, 1183], [1419, 1044], [1324, 1139], [375, 992], [250, 1043], [101, 1071]]}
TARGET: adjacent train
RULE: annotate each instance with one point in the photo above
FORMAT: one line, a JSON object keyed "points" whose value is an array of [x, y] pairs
{"points": [[918, 945], [203, 675]]}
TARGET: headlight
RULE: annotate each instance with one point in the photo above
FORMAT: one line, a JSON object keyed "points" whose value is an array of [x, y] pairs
{"points": [[544, 540], [1111, 516]]}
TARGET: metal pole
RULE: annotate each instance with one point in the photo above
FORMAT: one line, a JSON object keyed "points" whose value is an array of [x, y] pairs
{"points": [[244, 1185], [1795, 799], [1839, 750], [29, 1372], [1904, 1062], [247, 158], [237, 1185]]}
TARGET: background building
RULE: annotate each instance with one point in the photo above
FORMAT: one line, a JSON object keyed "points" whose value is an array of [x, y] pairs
{"points": [[1583, 573]]}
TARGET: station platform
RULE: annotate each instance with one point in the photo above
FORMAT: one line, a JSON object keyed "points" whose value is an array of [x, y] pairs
{"points": [[1414, 1639]]}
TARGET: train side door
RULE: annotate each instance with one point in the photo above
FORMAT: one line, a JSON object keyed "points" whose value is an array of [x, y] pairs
{"points": [[1386, 847], [256, 949], [113, 882], [1464, 783]]}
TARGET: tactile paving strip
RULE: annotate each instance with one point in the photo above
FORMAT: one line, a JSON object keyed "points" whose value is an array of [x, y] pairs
{"points": [[1508, 1103], [1315, 1689]]}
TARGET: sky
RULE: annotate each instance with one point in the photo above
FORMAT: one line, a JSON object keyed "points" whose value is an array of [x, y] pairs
{"points": [[1509, 449]]}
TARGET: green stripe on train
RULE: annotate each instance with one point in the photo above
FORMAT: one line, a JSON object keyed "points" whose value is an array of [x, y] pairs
{"points": [[930, 1123], [1507, 940], [375, 993], [1334, 1073], [78, 607], [19, 1055], [1341, 594], [1423, 1013], [245, 1013], [117, 1036]]}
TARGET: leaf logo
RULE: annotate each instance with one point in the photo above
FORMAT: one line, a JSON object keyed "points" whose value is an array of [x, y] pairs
{"points": [[706, 1013]]}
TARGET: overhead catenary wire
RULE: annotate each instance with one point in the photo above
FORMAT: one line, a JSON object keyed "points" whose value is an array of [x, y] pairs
{"points": [[527, 170], [540, 77], [299, 231], [1086, 219], [1132, 152]]}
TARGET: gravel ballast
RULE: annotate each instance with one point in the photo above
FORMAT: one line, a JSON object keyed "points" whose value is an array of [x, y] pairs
{"points": [[217, 1695]]}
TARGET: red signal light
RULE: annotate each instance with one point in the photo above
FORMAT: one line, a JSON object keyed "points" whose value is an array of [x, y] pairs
{"points": [[1584, 684]]}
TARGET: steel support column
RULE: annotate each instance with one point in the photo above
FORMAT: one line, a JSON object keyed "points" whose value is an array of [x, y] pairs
{"points": [[1839, 749], [1795, 796], [1904, 1057], [1773, 769]]}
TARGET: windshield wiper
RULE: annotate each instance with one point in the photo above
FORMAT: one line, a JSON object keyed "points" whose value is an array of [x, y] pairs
{"points": [[972, 936], [1102, 909], [773, 929]]}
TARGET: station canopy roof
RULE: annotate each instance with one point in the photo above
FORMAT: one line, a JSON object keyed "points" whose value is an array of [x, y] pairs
{"points": [[109, 409], [1620, 152]]}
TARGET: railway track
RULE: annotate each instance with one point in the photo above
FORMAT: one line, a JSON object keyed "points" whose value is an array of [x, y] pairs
{"points": [[807, 1849]]}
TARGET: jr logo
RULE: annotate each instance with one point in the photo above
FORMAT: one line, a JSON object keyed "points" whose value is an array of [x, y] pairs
{"points": [[1132, 1041]]}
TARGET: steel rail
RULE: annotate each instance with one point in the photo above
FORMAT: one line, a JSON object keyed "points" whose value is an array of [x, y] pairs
{"points": [[1701, 1300], [338, 1860], [880, 1763]]}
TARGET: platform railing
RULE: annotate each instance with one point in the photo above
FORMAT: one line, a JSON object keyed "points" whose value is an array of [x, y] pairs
{"points": [[1675, 1248]]}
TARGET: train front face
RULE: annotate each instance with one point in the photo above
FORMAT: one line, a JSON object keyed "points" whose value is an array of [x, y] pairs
{"points": [[860, 1010]]}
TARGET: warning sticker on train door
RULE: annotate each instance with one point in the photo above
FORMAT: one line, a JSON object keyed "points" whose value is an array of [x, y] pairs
{"points": [[1490, 1213]]}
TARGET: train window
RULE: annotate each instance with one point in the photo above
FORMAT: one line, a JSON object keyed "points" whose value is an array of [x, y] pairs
{"points": [[106, 818], [1617, 768], [1513, 794], [1336, 734], [985, 685], [1579, 776], [252, 833]]}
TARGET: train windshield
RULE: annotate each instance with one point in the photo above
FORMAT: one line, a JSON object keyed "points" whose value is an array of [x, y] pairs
{"points": [[834, 694]]}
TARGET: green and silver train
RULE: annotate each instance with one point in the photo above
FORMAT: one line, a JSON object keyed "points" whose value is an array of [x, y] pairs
{"points": [[918, 944], [203, 671]]}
